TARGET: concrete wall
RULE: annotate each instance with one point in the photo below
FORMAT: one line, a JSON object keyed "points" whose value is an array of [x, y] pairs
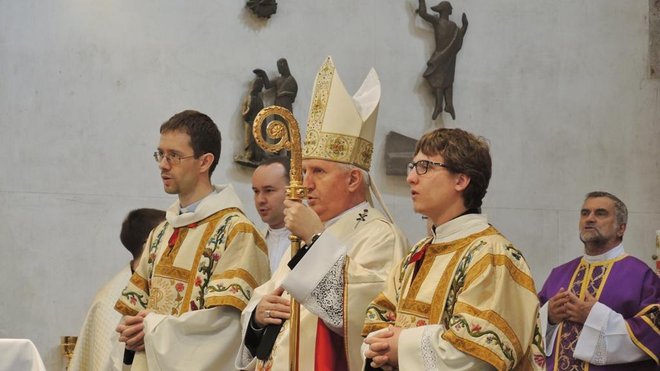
{"points": [[560, 88]]}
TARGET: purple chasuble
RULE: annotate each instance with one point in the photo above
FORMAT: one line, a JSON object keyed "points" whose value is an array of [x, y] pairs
{"points": [[626, 285]]}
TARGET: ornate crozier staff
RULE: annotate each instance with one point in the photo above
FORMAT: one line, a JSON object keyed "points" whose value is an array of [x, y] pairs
{"points": [[289, 138]]}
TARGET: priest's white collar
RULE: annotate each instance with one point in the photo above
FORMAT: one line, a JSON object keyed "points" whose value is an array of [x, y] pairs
{"points": [[614, 253], [223, 197], [460, 227]]}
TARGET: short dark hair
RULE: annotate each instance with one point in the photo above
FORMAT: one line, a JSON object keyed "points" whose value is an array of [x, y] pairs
{"points": [[620, 209], [136, 228], [463, 153], [204, 133], [284, 161]]}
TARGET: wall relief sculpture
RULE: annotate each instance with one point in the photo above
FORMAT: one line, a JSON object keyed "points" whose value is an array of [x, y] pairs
{"points": [[441, 66], [262, 8], [283, 90]]}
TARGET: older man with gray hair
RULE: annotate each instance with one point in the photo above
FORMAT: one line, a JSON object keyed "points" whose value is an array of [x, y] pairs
{"points": [[601, 310]]}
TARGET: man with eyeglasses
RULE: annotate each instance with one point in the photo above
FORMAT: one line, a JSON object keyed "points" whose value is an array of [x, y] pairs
{"points": [[463, 298], [182, 305]]}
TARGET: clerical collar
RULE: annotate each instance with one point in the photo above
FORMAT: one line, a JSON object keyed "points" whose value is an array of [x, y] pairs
{"points": [[193, 206], [460, 227], [614, 253], [474, 210]]}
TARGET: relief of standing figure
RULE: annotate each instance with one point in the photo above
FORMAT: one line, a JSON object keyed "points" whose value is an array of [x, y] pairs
{"points": [[252, 154], [285, 86], [441, 66]]}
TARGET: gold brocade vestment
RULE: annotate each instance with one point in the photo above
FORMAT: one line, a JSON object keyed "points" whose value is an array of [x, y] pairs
{"points": [[473, 297]]}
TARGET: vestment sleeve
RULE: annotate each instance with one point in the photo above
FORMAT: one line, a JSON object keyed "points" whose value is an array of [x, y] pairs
{"points": [[604, 339], [321, 277], [135, 296], [203, 340], [245, 360], [495, 315], [338, 278], [423, 348], [548, 330], [609, 338], [381, 312], [240, 268]]}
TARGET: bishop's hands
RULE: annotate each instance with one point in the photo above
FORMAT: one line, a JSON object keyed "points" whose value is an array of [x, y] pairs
{"points": [[383, 348], [273, 309], [301, 220], [131, 331], [565, 305]]}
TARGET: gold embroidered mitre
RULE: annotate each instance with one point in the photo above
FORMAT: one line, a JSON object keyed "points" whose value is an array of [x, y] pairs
{"points": [[341, 128]]}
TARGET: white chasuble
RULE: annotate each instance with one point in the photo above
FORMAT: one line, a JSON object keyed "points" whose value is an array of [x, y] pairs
{"points": [[95, 343], [342, 271]]}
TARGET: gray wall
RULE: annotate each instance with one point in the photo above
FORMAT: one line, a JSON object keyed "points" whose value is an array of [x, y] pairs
{"points": [[560, 88]]}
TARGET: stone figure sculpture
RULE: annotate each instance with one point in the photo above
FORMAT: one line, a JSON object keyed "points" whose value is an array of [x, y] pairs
{"points": [[252, 154], [286, 87], [440, 67]]}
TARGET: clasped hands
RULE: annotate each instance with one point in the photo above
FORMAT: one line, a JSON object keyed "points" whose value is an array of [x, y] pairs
{"points": [[567, 306], [131, 331], [383, 348]]}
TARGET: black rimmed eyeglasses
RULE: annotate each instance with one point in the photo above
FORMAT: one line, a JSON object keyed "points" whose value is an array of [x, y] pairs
{"points": [[422, 166]]}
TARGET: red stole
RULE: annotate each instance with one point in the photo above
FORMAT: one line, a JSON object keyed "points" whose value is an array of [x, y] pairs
{"points": [[329, 350]]}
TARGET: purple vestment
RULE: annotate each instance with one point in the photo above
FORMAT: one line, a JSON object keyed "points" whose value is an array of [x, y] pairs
{"points": [[626, 285]]}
